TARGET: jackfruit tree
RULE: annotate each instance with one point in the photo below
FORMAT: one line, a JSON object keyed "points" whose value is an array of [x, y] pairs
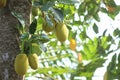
{"points": [[49, 39]]}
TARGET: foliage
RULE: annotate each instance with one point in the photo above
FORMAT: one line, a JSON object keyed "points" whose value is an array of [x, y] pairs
{"points": [[57, 59]]}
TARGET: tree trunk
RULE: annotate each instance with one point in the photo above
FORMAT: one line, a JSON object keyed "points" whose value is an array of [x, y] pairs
{"points": [[9, 38]]}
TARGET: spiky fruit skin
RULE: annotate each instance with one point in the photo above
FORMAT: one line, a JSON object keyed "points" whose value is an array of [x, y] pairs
{"points": [[21, 64], [47, 28], [33, 61], [61, 32], [3, 3], [72, 44], [35, 11]]}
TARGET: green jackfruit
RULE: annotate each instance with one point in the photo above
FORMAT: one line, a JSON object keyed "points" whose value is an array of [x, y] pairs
{"points": [[61, 32], [33, 60], [35, 11], [47, 28], [21, 64]]}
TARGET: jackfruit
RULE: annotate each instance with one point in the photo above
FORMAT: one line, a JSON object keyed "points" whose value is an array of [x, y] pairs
{"points": [[21, 64], [35, 11], [47, 28], [72, 44], [61, 32], [3, 3], [33, 60], [105, 77]]}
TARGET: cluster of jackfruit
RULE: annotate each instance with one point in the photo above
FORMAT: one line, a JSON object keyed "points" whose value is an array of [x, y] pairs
{"points": [[61, 30], [22, 62]]}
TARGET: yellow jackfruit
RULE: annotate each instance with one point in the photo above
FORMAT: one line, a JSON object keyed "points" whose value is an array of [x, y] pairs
{"points": [[33, 61], [3, 3], [72, 44], [61, 32], [21, 64]]}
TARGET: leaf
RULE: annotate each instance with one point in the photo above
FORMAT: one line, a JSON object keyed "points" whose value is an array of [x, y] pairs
{"points": [[33, 27], [96, 17], [104, 10], [19, 17], [24, 37], [68, 1], [116, 32], [58, 14], [42, 47], [104, 32], [44, 38], [82, 8], [47, 6], [114, 59], [119, 58], [95, 28], [49, 21]]}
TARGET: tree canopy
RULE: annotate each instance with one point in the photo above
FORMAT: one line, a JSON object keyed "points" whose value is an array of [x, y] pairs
{"points": [[66, 59]]}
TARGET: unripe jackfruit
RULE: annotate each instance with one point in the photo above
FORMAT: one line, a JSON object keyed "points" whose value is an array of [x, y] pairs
{"points": [[3, 3], [47, 28], [33, 61], [105, 77], [61, 32], [35, 11], [21, 64]]}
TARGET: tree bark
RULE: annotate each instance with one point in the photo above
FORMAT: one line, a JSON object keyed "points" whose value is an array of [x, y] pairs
{"points": [[9, 37]]}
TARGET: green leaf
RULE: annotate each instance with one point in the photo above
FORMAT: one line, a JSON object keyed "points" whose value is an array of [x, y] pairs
{"points": [[33, 27], [116, 32], [58, 14], [119, 58], [104, 10], [47, 6], [68, 1], [104, 32], [95, 28], [24, 37], [82, 8], [19, 17], [44, 38], [114, 59], [48, 21], [96, 17]]}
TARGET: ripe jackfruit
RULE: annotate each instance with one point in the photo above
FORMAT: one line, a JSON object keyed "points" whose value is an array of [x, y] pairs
{"points": [[33, 61], [21, 64], [61, 32], [72, 44]]}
